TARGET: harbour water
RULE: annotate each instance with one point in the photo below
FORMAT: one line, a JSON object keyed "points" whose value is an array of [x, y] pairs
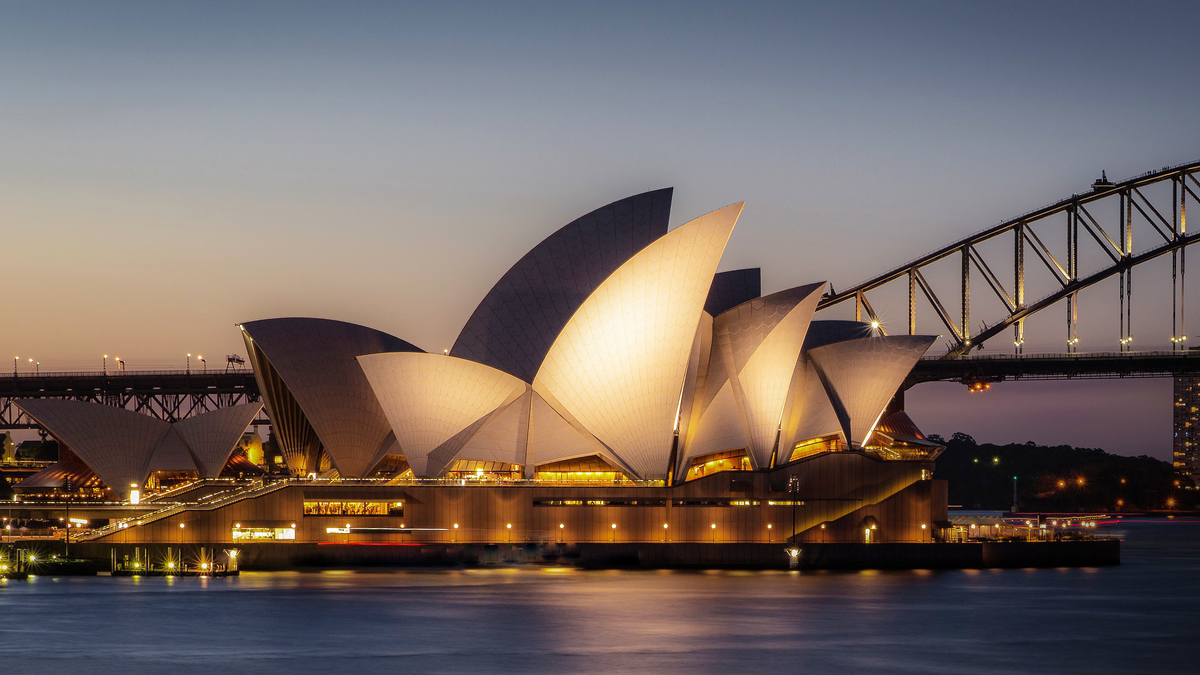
{"points": [[1139, 617]]}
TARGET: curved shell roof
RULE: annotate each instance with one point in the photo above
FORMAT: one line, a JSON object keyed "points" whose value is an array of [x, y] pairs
{"points": [[517, 321], [116, 443], [826, 332], [732, 288], [213, 435], [431, 399], [810, 413], [861, 376], [760, 342], [503, 437], [316, 360], [618, 366]]}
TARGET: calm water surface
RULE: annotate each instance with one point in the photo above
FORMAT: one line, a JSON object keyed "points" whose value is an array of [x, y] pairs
{"points": [[1143, 616]]}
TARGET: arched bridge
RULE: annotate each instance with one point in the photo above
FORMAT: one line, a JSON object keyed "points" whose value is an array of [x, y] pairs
{"points": [[1156, 202]]}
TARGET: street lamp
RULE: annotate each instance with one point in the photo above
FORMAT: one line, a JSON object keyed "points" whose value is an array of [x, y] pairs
{"points": [[16, 359], [104, 365], [188, 363], [203, 363]]}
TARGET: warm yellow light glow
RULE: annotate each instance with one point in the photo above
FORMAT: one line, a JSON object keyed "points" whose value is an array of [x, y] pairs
{"points": [[561, 525], [170, 565], [203, 566], [769, 526], [181, 526], [237, 524], [456, 526], [664, 526], [714, 526], [614, 526], [922, 526], [644, 313], [509, 526]]}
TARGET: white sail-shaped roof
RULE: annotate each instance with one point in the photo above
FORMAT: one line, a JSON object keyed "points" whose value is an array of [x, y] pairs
{"points": [[619, 364], [429, 399], [116, 443], [861, 376], [517, 321], [503, 437], [760, 342], [315, 359], [213, 435], [722, 426], [810, 413]]}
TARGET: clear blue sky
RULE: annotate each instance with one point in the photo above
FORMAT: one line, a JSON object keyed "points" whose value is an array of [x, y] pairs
{"points": [[169, 169]]}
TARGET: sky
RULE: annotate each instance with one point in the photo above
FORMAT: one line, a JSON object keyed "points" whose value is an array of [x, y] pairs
{"points": [[168, 170]]}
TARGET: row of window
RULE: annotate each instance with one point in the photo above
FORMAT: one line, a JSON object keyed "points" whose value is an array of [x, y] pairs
{"points": [[358, 508], [662, 502]]}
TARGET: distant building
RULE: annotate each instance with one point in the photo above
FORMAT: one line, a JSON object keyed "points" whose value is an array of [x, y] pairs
{"points": [[1186, 417]]}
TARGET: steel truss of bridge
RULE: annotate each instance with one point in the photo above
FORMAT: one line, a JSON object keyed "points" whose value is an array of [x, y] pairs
{"points": [[1119, 205], [166, 395]]}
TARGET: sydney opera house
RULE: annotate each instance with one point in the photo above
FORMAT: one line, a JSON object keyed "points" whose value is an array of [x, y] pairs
{"points": [[613, 386]]}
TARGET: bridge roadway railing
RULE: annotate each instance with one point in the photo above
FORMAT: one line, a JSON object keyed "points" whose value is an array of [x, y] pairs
{"points": [[169, 395], [1086, 365]]}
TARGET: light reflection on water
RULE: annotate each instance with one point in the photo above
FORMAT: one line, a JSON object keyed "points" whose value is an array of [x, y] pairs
{"points": [[1138, 617]]}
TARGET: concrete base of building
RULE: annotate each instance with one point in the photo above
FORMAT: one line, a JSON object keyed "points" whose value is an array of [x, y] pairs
{"points": [[974, 555]]}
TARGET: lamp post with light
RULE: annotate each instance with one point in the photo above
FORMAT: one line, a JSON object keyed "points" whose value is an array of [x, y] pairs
{"points": [[793, 489]]}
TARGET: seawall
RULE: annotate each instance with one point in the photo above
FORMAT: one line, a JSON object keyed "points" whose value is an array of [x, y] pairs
{"points": [[973, 555]]}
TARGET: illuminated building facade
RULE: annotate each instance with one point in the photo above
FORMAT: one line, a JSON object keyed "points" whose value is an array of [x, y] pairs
{"points": [[612, 386], [1186, 419]]}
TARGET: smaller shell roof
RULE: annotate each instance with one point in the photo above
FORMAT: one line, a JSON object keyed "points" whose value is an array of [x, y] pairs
{"points": [[116, 443], [316, 360]]}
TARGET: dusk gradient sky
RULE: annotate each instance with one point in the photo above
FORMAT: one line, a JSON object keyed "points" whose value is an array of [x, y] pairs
{"points": [[168, 170]]}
